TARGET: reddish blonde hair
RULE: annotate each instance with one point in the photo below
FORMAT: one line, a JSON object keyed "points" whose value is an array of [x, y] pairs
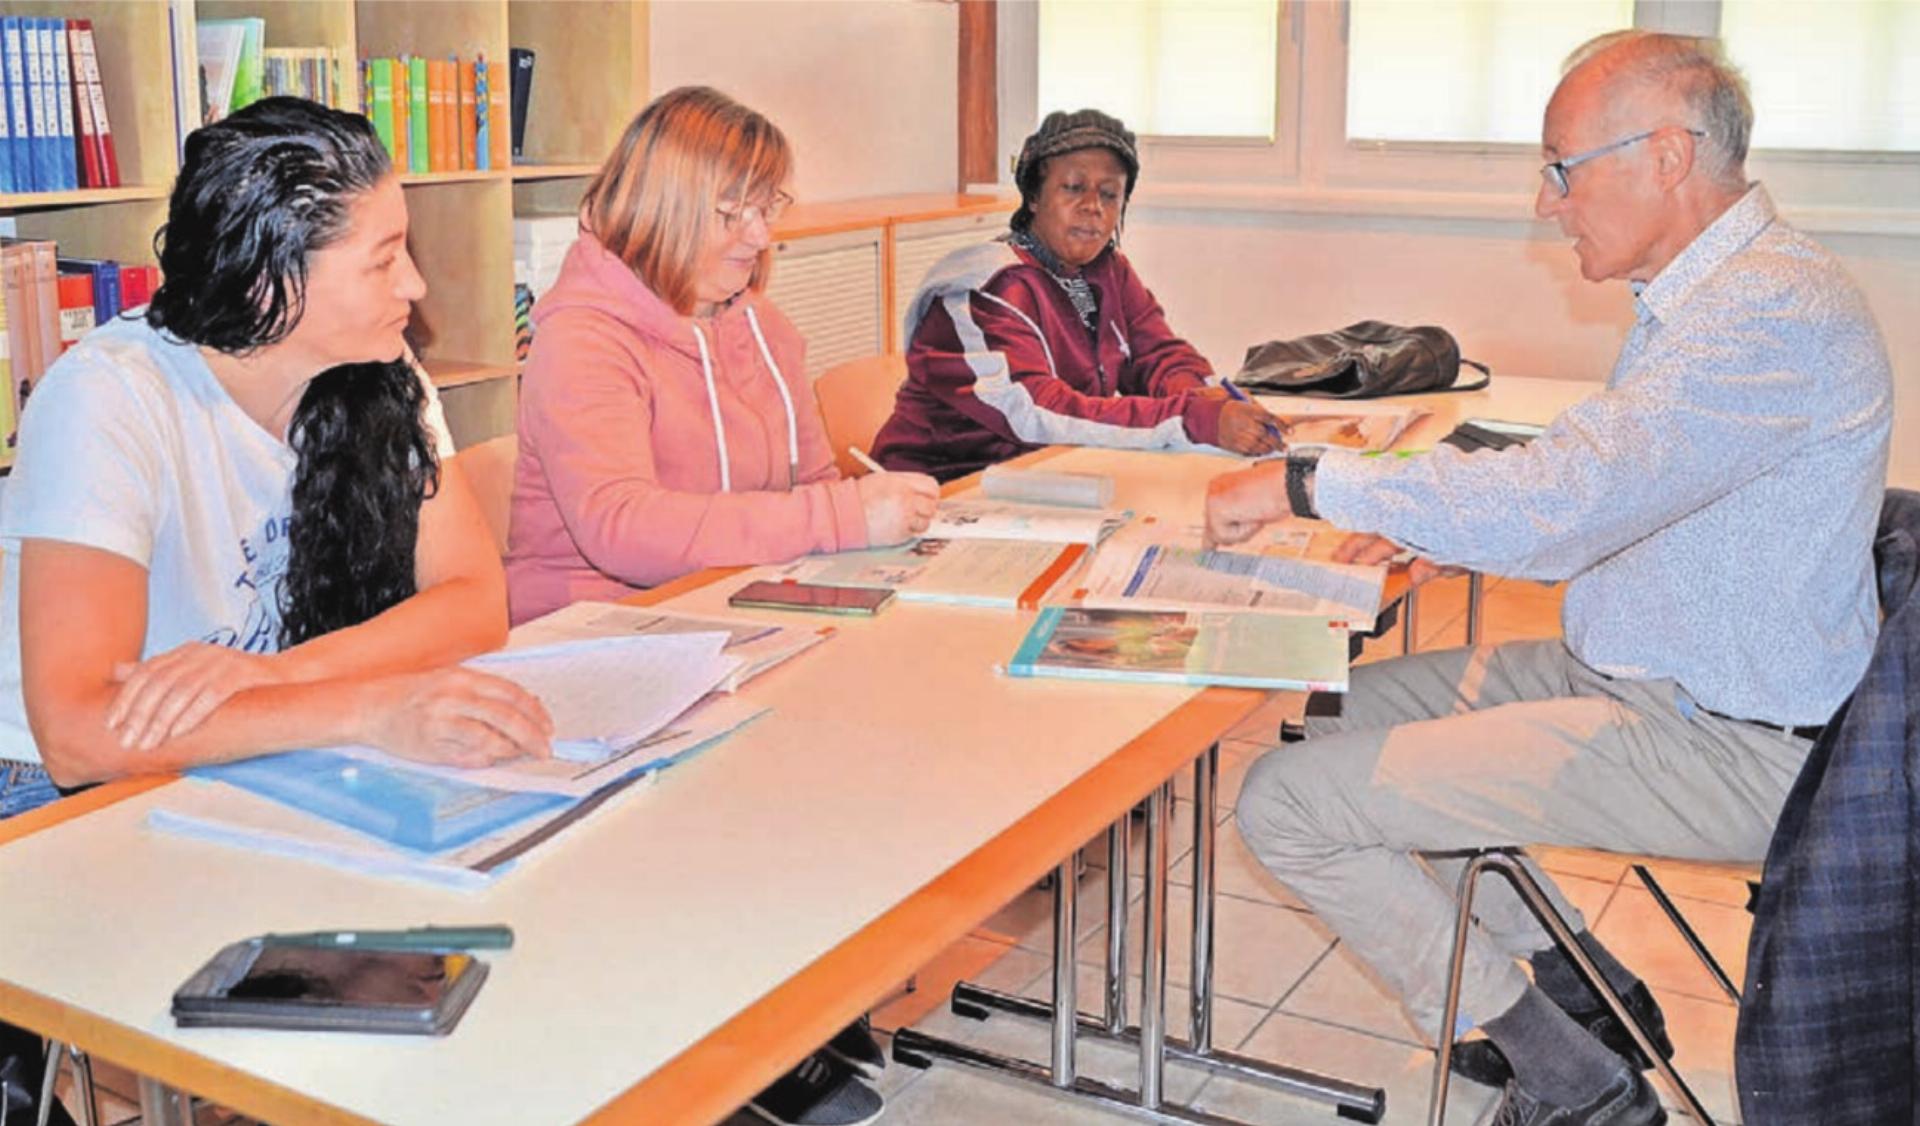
{"points": [[654, 200]]}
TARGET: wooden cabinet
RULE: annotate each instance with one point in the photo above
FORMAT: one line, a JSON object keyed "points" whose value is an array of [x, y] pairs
{"points": [[845, 271], [917, 245], [831, 287]]}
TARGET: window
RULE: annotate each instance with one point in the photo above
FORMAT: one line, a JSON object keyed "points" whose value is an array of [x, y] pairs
{"points": [[1829, 76], [1823, 75], [1463, 70], [1197, 68]]}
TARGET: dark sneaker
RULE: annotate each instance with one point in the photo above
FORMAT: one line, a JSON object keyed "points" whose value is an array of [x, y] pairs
{"points": [[818, 1093], [855, 1046], [1627, 1101], [1483, 1062]]}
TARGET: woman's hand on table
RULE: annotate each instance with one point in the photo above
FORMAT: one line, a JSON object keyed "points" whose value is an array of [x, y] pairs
{"points": [[1246, 428], [457, 717], [174, 692], [898, 506]]}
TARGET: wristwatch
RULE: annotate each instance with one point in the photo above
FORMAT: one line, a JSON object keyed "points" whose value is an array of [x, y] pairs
{"points": [[1301, 466]]}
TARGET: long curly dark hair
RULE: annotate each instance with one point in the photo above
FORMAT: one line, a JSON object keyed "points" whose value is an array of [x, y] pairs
{"points": [[259, 192]]}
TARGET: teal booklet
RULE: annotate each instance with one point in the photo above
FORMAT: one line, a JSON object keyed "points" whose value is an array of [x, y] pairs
{"points": [[1241, 650], [413, 809]]}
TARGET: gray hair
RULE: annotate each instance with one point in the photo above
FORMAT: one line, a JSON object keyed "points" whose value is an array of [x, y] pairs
{"points": [[1695, 68]]}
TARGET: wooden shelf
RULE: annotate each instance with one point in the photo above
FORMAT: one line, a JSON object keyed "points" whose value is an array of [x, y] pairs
{"points": [[29, 201], [463, 176], [806, 219], [523, 172], [459, 373]]}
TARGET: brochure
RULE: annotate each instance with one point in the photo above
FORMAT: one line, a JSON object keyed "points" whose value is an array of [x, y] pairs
{"points": [[1198, 647]]}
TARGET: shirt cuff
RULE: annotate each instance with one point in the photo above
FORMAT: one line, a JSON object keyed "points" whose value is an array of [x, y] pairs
{"points": [[1341, 490]]}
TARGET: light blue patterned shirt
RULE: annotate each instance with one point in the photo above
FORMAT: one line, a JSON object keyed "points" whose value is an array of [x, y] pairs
{"points": [[1714, 507]]}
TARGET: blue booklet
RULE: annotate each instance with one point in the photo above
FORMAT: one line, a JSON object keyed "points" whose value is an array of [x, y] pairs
{"points": [[413, 809], [1242, 650]]}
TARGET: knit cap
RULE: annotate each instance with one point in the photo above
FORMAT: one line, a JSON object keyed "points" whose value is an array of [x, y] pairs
{"points": [[1063, 132]]}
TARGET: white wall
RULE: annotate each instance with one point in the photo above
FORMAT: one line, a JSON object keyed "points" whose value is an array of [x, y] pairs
{"points": [[865, 89], [1511, 292]]}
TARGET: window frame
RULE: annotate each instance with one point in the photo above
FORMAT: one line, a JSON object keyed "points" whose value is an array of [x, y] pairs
{"points": [[1312, 166]]}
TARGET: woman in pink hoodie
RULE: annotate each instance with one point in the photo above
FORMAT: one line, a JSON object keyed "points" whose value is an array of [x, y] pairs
{"points": [[666, 420]]}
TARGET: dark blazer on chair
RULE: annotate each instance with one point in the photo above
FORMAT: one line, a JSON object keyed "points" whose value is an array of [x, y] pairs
{"points": [[1828, 1030]]}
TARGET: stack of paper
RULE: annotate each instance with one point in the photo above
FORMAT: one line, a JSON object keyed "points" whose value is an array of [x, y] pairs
{"points": [[757, 645], [623, 707]]}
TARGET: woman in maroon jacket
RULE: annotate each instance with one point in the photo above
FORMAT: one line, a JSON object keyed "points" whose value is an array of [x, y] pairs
{"points": [[1046, 336]]}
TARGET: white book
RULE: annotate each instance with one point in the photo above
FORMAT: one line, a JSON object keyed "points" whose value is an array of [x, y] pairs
{"points": [[1165, 576], [977, 518]]}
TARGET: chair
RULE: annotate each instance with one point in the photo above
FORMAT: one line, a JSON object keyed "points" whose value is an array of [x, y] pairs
{"points": [[488, 467], [856, 399], [1897, 510]]}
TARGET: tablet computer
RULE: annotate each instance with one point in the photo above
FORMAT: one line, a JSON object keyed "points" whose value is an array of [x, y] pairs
{"points": [[257, 984]]}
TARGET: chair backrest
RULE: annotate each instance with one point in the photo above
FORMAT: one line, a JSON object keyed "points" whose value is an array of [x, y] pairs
{"points": [[488, 467], [856, 399]]}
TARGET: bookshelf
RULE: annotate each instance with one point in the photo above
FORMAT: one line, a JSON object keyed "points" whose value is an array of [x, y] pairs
{"points": [[589, 79]]}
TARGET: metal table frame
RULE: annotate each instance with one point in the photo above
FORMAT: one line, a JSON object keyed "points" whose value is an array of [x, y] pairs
{"points": [[1147, 1101]]}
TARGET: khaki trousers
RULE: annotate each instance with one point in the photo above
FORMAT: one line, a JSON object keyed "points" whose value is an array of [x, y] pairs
{"points": [[1514, 744]]}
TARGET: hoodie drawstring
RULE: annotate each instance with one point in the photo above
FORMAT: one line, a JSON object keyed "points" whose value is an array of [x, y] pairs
{"points": [[713, 405], [786, 400]]}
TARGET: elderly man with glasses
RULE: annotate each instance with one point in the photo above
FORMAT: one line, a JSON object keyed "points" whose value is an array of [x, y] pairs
{"points": [[1712, 510]]}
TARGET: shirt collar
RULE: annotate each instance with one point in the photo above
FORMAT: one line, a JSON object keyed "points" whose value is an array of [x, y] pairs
{"points": [[1724, 237]]}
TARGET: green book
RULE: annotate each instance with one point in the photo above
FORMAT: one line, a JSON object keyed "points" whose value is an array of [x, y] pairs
{"points": [[380, 81], [248, 75], [417, 114], [1186, 647]]}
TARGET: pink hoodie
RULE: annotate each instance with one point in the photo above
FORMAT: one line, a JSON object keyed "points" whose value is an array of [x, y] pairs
{"points": [[619, 480]]}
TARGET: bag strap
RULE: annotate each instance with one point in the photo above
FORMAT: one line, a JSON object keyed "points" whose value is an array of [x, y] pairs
{"points": [[1486, 377]]}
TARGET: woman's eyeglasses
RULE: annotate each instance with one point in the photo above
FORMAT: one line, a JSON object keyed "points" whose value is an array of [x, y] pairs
{"points": [[738, 215]]}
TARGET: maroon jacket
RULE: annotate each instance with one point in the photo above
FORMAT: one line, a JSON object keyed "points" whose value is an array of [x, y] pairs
{"points": [[999, 363]]}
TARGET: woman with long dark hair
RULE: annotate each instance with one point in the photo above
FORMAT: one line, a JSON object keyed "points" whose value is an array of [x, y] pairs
{"points": [[232, 527]]}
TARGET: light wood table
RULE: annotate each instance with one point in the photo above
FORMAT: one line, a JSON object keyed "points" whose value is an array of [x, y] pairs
{"points": [[680, 948]]}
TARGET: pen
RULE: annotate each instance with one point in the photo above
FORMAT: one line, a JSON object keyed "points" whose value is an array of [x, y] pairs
{"points": [[496, 937], [1396, 454], [861, 456], [1234, 392]]}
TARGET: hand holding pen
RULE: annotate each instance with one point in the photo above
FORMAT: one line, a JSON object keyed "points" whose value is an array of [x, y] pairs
{"points": [[1246, 427]]}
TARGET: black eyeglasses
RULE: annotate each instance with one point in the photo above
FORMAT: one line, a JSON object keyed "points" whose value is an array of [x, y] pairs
{"points": [[1555, 173]]}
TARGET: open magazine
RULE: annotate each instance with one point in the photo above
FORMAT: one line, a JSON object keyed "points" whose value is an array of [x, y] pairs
{"points": [[1167, 576], [1341, 425]]}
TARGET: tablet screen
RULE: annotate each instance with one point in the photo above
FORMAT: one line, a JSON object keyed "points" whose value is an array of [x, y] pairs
{"points": [[338, 976]]}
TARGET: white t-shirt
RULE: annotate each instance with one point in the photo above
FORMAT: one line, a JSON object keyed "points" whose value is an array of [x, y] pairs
{"points": [[129, 444]]}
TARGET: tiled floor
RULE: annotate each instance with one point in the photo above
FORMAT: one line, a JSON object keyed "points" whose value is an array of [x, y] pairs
{"points": [[1286, 990]]}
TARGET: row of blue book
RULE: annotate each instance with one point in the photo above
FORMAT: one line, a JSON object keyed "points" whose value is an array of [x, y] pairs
{"points": [[54, 131]]}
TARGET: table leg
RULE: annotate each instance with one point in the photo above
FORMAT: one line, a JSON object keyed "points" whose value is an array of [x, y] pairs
{"points": [[1066, 895], [1476, 589], [1206, 777], [1409, 604], [161, 1105], [1153, 949], [1119, 836]]}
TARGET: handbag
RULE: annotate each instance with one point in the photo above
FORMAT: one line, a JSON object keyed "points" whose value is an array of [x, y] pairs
{"points": [[1361, 361]]}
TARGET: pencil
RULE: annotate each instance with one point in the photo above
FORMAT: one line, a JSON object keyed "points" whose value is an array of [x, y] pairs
{"points": [[861, 456]]}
